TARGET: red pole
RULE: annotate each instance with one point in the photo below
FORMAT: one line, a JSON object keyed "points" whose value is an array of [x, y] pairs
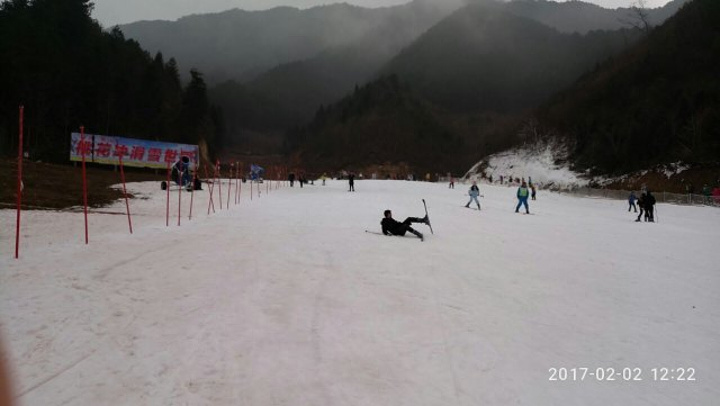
{"points": [[237, 181], [192, 192], [19, 182], [229, 186], [180, 178], [84, 176], [127, 204], [219, 185], [167, 206], [210, 190]]}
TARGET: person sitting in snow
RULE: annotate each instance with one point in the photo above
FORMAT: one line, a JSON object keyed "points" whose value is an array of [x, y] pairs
{"points": [[474, 192], [522, 195], [390, 226]]}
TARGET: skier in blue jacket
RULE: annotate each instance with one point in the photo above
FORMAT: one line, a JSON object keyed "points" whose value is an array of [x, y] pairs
{"points": [[522, 195], [631, 201], [474, 192]]}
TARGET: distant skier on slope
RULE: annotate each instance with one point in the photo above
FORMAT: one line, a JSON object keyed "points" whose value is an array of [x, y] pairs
{"points": [[641, 205], [631, 201], [522, 195], [474, 192], [390, 226], [351, 182], [649, 207]]}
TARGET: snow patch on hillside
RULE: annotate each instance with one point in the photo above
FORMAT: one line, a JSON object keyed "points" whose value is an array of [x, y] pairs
{"points": [[545, 164]]}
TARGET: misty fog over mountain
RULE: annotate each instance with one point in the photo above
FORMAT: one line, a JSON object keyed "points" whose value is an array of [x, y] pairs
{"points": [[283, 80]]}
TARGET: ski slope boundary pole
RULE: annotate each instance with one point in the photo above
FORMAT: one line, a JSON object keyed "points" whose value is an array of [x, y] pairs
{"points": [[180, 178], [192, 193], [219, 184], [19, 181], [230, 179], [84, 179], [211, 203], [127, 204], [237, 182], [167, 205]]}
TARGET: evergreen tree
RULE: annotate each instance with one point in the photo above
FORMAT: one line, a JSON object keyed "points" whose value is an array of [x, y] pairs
{"points": [[59, 63], [195, 123]]}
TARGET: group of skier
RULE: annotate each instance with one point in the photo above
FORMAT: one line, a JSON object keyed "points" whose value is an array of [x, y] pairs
{"points": [[523, 193], [646, 203]]}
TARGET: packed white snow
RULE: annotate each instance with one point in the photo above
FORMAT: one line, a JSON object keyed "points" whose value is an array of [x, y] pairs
{"points": [[285, 300]]}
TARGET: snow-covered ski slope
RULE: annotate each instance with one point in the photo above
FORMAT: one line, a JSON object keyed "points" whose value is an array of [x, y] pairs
{"points": [[285, 300]]}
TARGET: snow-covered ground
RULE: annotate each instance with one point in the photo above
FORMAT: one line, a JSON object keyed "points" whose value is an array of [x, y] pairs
{"points": [[285, 300]]}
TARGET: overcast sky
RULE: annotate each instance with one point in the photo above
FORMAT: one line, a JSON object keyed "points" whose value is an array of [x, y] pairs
{"points": [[112, 12]]}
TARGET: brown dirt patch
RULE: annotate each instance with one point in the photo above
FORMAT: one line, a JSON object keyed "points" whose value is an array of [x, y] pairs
{"points": [[56, 186]]}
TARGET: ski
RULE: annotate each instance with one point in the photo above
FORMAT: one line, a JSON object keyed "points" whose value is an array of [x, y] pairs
{"points": [[377, 233], [428, 217]]}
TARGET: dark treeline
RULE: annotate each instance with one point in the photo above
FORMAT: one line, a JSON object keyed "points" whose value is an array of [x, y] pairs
{"points": [[381, 122], [658, 102], [67, 72], [486, 58]]}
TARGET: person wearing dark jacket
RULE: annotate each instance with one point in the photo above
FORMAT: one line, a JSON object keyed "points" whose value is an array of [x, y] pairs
{"points": [[351, 181], [649, 207], [641, 205], [390, 226]]}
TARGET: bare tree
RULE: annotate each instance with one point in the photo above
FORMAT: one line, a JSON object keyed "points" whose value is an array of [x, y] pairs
{"points": [[638, 17], [531, 132]]}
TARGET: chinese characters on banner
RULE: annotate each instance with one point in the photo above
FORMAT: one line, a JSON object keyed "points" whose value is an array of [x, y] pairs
{"points": [[150, 154]]}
